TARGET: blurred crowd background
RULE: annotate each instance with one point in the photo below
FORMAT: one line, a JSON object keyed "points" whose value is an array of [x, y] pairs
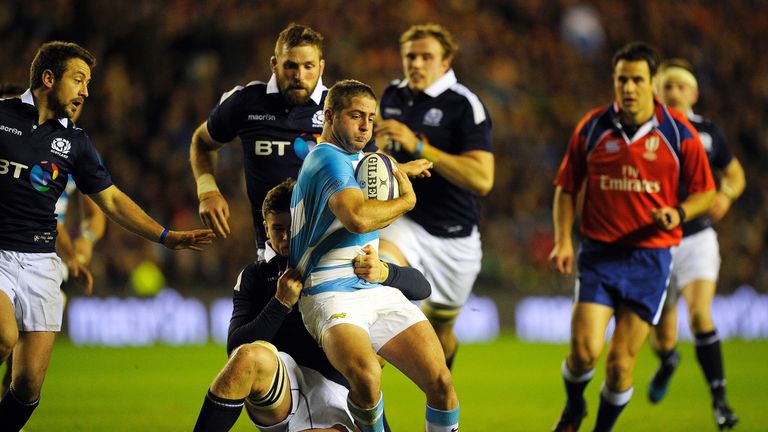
{"points": [[538, 65]]}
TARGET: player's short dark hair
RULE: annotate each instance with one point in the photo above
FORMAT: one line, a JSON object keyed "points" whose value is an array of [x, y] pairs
{"points": [[278, 199], [54, 56], [341, 94], [8, 90], [638, 51], [443, 36], [297, 35]]}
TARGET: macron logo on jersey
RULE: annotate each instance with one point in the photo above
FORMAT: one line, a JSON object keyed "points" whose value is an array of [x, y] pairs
{"points": [[261, 117], [61, 147], [14, 131]]}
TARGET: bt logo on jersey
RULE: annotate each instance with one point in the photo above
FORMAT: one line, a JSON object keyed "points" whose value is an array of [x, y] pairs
{"points": [[266, 148], [301, 146], [5, 167]]}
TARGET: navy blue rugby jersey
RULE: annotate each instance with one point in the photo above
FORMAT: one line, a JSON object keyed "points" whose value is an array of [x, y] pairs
{"points": [[257, 315], [35, 164], [719, 156], [275, 136], [454, 120]]}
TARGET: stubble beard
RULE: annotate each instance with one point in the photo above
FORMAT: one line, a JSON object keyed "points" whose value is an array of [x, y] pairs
{"points": [[59, 109], [295, 97]]}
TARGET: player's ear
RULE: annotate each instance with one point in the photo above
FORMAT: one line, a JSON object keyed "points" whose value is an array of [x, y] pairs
{"points": [[273, 64], [49, 79], [328, 116], [266, 229], [322, 66]]}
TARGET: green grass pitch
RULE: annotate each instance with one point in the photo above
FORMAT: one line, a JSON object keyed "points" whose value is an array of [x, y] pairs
{"points": [[506, 385]]}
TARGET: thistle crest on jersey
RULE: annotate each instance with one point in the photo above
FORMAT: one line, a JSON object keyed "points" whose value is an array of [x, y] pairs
{"points": [[433, 117], [61, 147]]}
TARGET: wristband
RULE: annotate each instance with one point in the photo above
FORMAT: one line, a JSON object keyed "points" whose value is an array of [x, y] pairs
{"points": [[206, 183], [88, 235], [728, 191], [163, 235], [680, 212], [419, 148]]}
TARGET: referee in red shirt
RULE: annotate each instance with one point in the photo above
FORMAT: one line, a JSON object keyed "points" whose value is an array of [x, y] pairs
{"points": [[627, 158]]}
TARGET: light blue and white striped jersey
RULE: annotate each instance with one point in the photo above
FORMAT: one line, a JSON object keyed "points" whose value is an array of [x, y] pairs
{"points": [[321, 248]]}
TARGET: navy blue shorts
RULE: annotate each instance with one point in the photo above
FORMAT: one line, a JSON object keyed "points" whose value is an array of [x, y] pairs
{"points": [[612, 274]]}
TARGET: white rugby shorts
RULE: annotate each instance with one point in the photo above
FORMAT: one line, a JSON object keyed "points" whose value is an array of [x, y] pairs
{"points": [[32, 281], [316, 402], [451, 265], [696, 258], [383, 313]]}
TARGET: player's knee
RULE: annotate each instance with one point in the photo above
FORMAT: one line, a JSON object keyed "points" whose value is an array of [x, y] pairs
{"points": [[618, 369], [583, 356], [364, 374], [700, 320], [441, 385], [253, 359], [665, 339]]}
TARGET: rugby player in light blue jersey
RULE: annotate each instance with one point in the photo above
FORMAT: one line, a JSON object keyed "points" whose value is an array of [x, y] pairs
{"points": [[331, 223]]}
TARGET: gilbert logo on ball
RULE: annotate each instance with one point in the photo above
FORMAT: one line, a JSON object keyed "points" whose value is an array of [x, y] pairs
{"points": [[374, 174]]}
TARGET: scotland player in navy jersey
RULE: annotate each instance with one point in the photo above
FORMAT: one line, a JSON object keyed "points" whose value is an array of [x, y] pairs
{"points": [[332, 223], [276, 122], [696, 262], [296, 388], [76, 254], [429, 114], [39, 148]]}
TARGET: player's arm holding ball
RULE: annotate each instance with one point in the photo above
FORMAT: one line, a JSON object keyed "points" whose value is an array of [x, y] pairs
{"points": [[361, 215]]}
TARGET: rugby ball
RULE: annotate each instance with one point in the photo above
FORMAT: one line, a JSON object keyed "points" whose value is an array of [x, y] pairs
{"points": [[375, 175]]}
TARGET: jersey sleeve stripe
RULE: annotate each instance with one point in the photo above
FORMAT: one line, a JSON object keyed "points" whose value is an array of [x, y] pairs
{"points": [[477, 107]]}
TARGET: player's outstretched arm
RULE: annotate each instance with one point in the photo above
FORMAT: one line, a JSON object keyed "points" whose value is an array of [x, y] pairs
{"points": [[360, 215], [418, 168], [121, 209], [203, 156]]}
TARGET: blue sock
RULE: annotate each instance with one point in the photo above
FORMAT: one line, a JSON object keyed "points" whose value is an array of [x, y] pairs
{"points": [[574, 388], [442, 421], [611, 405], [368, 419]]}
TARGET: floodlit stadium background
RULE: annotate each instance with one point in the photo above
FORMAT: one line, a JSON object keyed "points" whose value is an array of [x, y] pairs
{"points": [[537, 65]]}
